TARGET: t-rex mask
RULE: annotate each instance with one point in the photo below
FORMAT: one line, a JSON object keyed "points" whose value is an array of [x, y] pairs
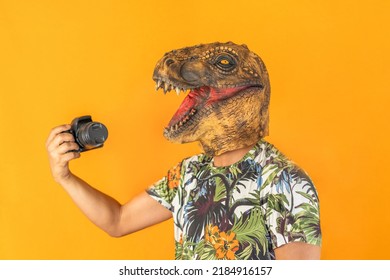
{"points": [[227, 104]]}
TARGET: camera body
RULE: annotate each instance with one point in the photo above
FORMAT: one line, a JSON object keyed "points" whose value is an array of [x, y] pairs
{"points": [[88, 134]]}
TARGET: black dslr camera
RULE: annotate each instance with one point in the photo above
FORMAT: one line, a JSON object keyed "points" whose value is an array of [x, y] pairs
{"points": [[88, 134]]}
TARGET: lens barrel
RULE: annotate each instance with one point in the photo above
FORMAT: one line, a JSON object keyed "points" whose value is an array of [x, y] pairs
{"points": [[92, 135]]}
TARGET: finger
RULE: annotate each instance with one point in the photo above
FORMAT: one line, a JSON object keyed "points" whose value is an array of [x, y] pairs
{"points": [[61, 159], [70, 156], [55, 131], [63, 137], [66, 147], [59, 139]]}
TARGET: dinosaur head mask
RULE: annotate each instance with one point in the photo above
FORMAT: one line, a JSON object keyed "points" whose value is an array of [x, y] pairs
{"points": [[226, 107]]}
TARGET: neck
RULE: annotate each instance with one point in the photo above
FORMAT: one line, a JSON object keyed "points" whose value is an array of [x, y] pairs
{"points": [[231, 157]]}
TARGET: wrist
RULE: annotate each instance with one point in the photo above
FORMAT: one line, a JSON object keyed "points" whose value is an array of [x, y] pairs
{"points": [[64, 179]]}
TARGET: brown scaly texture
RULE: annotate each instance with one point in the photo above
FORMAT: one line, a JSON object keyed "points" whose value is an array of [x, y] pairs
{"points": [[227, 104]]}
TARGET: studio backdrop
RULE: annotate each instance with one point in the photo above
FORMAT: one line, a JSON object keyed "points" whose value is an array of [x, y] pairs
{"points": [[328, 63]]}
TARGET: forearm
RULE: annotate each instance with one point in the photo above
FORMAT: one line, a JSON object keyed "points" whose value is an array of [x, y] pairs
{"points": [[298, 251], [101, 209], [104, 211]]}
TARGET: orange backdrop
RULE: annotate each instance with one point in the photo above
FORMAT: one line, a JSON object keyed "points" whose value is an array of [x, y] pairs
{"points": [[329, 68]]}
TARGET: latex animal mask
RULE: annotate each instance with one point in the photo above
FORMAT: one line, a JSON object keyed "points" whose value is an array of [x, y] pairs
{"points": [[226, 107]]}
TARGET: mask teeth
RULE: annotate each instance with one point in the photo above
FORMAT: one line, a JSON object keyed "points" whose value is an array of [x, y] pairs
{"points": [[192, 112], [182, 122], [166, 86], [177, 91], [158, 84]]}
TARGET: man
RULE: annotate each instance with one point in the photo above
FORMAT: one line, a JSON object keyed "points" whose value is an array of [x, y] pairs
{"points": [[241, 198]]}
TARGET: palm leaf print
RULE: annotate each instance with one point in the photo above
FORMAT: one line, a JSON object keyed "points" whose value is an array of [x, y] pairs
{"points": [[251, 232]]}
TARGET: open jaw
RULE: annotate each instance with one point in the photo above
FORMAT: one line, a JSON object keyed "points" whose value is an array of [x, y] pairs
{"points": [[197, 100]]}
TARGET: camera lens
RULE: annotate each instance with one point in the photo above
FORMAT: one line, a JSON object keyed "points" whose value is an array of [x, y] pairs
{"points": [[92, 135]]}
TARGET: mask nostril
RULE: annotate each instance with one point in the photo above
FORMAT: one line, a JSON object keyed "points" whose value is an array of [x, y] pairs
{"points": [[169, 61], [191, 72]]}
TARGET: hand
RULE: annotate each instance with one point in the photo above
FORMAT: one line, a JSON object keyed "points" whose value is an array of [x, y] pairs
{"points": [[61, 148]]}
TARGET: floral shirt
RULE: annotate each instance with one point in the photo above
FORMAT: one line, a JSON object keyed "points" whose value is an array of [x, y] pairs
{"points": [[242, 211]]}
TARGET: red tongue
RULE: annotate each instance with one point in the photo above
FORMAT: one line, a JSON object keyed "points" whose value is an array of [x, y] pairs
{"points": [[192, 100], [221, 94], [201, 97]]}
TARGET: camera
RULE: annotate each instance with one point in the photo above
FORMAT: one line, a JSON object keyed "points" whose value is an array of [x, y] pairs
{"points": [[88, 134]]}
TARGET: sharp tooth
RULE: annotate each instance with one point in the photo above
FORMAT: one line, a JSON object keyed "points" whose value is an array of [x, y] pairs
{"points": [[166, 87], [177, 91], [180, 123], [158, 84]]}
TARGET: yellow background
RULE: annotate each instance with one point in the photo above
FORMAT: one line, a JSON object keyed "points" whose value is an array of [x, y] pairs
{"points": [[329, 67]]}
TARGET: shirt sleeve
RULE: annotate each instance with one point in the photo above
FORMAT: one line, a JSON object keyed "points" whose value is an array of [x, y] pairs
{"points": [[292, 209], [165, 189]]}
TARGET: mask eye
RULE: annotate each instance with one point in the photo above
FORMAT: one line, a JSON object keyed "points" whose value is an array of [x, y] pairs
{"points": [[225, 62]]}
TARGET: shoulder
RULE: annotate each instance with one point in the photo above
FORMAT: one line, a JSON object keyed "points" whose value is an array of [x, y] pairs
{"points": [[292, 203], [282, 176], [274, 161]]}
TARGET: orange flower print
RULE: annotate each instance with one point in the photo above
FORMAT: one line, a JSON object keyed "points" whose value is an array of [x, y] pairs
{"points": [[211, 234], [174, 177], [226, 246]]}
